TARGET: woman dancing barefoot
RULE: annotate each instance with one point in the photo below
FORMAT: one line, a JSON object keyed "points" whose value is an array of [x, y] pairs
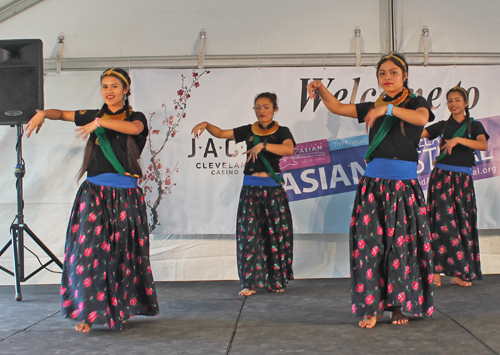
{"points": [[264, 230], [451, 197], [106, 271], [391, 260]]}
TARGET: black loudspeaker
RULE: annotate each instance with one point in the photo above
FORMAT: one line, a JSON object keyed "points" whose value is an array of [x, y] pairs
{"points": [[21, 80]]}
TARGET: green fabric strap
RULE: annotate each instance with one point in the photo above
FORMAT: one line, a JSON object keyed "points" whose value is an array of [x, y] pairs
{"points": [[108, 151], [458, 133], [261, 156], [381, 133]]}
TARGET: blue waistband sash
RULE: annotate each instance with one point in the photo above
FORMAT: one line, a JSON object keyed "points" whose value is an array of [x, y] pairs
{"points": [[454, 168], [114, 180], [391, 169], [250, 180]]}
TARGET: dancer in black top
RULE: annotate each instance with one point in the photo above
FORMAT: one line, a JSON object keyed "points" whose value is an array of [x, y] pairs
{"points": [[391, 260], [451, 197], [264, 230], [107, 275]]}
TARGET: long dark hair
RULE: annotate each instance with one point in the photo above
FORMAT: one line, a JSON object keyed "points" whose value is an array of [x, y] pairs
{"points": [[133, 153], [465, 96]]}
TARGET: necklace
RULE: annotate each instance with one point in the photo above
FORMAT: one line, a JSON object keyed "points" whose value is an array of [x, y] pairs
{"points": [[118, 117], [380, 101], [270, 129]]}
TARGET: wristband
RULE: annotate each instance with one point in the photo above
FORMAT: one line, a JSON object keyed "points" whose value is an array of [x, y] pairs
{"points": [[389, 109], [264, 147], [96, 122]]}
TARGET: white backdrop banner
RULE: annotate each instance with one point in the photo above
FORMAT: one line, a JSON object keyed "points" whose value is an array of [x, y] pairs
{"points": [[193, 184]]}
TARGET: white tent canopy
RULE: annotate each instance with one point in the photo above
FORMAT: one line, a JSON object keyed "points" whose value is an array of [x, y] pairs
{"points": [[92, 35], [159, 33]]}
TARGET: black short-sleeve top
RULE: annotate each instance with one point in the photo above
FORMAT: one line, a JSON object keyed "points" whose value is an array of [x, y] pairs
{"points": [[401, 142], [99, 164], [460, 154], [244, 133]]}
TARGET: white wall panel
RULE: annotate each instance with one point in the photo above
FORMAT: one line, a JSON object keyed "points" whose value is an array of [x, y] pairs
{"points": [[454, 25], [94, 28]]}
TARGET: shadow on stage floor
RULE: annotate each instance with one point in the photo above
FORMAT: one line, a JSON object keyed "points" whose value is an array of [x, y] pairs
{"points": [[311, 317]]}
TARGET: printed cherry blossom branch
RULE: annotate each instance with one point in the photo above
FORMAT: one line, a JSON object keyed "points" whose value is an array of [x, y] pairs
{"points": [[154, 174]]}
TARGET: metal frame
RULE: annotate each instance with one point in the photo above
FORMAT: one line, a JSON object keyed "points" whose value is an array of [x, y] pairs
{"points": [[15, 7], [392, 28], [18, 229], [260, 61]]}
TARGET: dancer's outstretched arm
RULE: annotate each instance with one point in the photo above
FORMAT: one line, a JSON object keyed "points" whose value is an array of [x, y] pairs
{"points": [[330, 101], [38, 119], [213, 130]]}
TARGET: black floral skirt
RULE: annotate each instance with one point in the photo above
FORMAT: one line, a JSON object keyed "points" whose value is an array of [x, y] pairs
{"points": [[107, 275], [264, 235], [453, 218], [391, 257]]}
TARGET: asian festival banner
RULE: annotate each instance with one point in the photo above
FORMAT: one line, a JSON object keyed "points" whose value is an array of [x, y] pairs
{"points": [[192, 185]]}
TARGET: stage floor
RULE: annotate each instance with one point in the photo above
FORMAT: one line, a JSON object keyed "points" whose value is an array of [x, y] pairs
{"points": [[311, 317]]}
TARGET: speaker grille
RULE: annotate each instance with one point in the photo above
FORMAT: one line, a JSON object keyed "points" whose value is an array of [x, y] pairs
{"points": [[21, 80]]}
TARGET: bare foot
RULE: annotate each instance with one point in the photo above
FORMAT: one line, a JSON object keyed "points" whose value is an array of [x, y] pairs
{"points": [[369, 322], [458, 281], [83, 327], [437, 279], [277, 290], [397, 317], [247, 292]]}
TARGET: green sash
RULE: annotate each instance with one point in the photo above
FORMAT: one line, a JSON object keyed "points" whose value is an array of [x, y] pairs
{"points": [[261, 156], [458, 133], [104, 143], [108, 151], [381, 133]]}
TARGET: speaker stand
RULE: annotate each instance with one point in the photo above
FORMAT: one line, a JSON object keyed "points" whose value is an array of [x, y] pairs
{"points": [[18, 229]]}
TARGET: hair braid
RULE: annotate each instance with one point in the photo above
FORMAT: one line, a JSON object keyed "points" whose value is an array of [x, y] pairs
{"points": [[467, 118]]}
